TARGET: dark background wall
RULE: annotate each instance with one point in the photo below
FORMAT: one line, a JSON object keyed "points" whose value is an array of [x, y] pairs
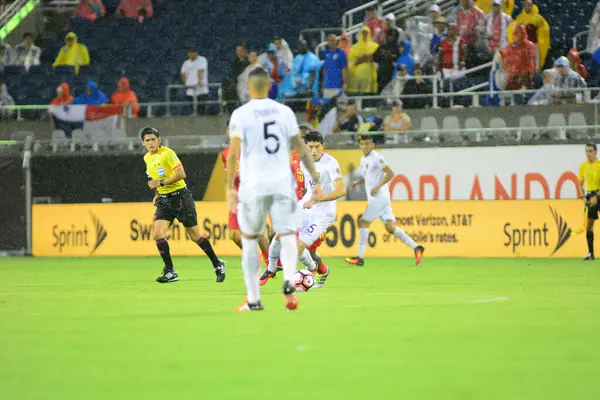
{"points": [[12, 204]]}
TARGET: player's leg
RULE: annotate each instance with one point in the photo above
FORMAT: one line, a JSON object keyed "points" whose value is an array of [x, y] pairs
{"points": [[263, 244], [390, 226], [274, 253], [236, 237], [234, 229], [251, 217], [189, 219], [592, 217], [371, 213], [161, 226], [322, 270]]}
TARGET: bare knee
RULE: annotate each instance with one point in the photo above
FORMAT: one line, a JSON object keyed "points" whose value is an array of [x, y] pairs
{"points": [[236, 238], [390, 227], [194, 233], [160, 231]]}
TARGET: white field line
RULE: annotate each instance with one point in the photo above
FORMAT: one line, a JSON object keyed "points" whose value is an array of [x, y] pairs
{"points": [[488, 300]]}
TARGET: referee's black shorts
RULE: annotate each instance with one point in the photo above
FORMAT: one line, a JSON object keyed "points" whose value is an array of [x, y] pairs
{"points": [[593, 211], [180, 205]]}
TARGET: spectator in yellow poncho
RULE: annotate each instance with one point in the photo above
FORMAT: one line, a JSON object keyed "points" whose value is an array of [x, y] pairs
{"points": [[73, 53], [361, 68], [538, 30], [508, 6]]}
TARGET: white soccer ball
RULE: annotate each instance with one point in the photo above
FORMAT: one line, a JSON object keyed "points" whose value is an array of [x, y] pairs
{"points": [[303, 280]]}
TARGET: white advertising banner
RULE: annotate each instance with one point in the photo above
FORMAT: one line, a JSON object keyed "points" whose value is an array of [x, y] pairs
{"points": [[485, 173]]}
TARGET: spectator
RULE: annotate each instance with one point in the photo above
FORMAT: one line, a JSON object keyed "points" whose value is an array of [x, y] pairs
{"points": [[194, 74], [497, 27], [304, 70], [390, 26], [283, 50], [242, 79], [576, 65], [230, 86], [5, 100], [126, 97], [566, 78], [344, 43], [386, 57], [73, 53], [538, 30], [417, 86], [376, 24], [90, 10], [544, 95], [518, 60], [363, 71], [63, 95], [277, 69], [335, 67], [139, 9], [435, 12], [350, 121], [398, 120], [406, 57], [452, 53], [27, 54], [6, 54], [440, 26], [470, 20], [92, 95], [593, 42], [486, 6]]}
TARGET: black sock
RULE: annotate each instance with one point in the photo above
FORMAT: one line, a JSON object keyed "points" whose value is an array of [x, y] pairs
{"points": [[590, 240], [207, 248], [165, 253]]}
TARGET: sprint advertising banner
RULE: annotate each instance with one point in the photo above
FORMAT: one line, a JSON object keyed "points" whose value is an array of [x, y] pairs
{"points": [[533, 228]]}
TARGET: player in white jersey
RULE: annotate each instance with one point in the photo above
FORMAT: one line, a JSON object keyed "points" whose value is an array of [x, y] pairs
{"points": [[263, 133], [318, 213], [376, 174]]}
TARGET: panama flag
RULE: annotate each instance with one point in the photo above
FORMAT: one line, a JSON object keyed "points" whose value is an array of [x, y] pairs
{"points": [[87, 117]]}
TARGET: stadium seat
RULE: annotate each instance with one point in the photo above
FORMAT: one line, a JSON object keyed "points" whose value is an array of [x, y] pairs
{"points": [[21, 135], [577, 119], [498, 126], [557, 120], [527, 121], [473, 129], [451, 122], [429, 127]]}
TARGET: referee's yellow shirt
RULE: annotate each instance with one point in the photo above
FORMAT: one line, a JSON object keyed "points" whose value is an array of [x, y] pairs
{"points": [[590, 173], [162, 164]]}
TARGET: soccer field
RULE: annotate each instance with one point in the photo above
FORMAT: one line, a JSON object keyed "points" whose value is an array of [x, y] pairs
{"points": [[101, 328]]}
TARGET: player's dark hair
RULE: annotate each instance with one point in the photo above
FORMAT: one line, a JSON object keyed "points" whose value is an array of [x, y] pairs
{"points": [[149, 131], [240, 44], [27, 35], [258, 72], [592, 145], [365, 137], [313, 136]]}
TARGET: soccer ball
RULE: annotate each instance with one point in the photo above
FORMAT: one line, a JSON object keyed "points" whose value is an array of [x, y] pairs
{"points": [[303, 280]]}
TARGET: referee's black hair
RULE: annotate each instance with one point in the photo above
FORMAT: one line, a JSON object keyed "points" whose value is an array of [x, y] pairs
{"points": [[592, 145], [365, 137], [149, 131], [313, 136]]}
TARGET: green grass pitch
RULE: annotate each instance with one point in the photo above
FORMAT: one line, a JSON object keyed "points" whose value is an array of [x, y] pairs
{"points": [[102, 328]]}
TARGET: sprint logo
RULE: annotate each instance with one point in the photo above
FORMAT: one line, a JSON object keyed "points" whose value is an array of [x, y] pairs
{"points": [[77, 236]]}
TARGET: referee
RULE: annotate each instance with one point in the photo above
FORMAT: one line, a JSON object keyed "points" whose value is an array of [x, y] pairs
{"points": [[172, 200], [589, 179]]}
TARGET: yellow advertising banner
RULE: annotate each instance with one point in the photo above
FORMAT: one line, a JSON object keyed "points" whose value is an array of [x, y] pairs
{"points": [[503, 228]]}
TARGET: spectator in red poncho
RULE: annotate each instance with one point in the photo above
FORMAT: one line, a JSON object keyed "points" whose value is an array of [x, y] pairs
{"points": [[452, 53], [139, 9], [63, 95], [519, 60], [470, 20], [125, 97], [90, 10], [576, 65], [377, 26]]}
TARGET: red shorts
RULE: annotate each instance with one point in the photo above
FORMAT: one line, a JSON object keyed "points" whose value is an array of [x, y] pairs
{"points": [[313, 247], [233, 222]]}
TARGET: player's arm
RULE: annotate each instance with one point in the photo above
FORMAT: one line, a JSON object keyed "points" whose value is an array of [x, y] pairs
{"points": [[581, 177], [339, 192], [357, 182], [178, 174], [232, 157], [388, 175]]}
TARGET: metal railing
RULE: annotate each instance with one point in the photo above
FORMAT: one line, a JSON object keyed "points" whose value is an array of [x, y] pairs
{"points": [[61, 5], [195, 103], [322, 32], [580, 41]]}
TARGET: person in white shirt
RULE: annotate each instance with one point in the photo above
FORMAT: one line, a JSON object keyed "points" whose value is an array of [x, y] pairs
{"points": [[376, 173], [27, 54], [263, 132], [318, 213], [194, 73]]}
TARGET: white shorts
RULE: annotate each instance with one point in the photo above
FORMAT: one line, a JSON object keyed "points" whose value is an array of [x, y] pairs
{"points": [[313, 227], [252, 214], [377, 208]]}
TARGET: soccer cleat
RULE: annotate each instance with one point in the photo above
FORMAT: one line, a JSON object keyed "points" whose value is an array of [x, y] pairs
{"points": [[289, 292], [320, 280], [265, 276], [169, 275], [359, 262], [249, 307], [589, 257], [419, 254], [220, 271]]}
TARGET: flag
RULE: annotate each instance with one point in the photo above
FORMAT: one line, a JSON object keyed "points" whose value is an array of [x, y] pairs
{"points": [[90, 118]]}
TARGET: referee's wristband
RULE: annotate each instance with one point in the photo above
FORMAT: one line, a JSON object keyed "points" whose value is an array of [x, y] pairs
{"points": [[162, 183]]}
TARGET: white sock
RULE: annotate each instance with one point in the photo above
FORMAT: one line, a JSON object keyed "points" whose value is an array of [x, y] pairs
{"points": [[363, 237], [289, 256], [274, 252], [306, 259], [250, 266], [407, 240]]}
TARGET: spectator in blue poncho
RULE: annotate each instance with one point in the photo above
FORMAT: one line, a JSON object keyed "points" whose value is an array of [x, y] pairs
{"points": [[405, 57], [277, 69], [92, 95], [304, 69]]}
